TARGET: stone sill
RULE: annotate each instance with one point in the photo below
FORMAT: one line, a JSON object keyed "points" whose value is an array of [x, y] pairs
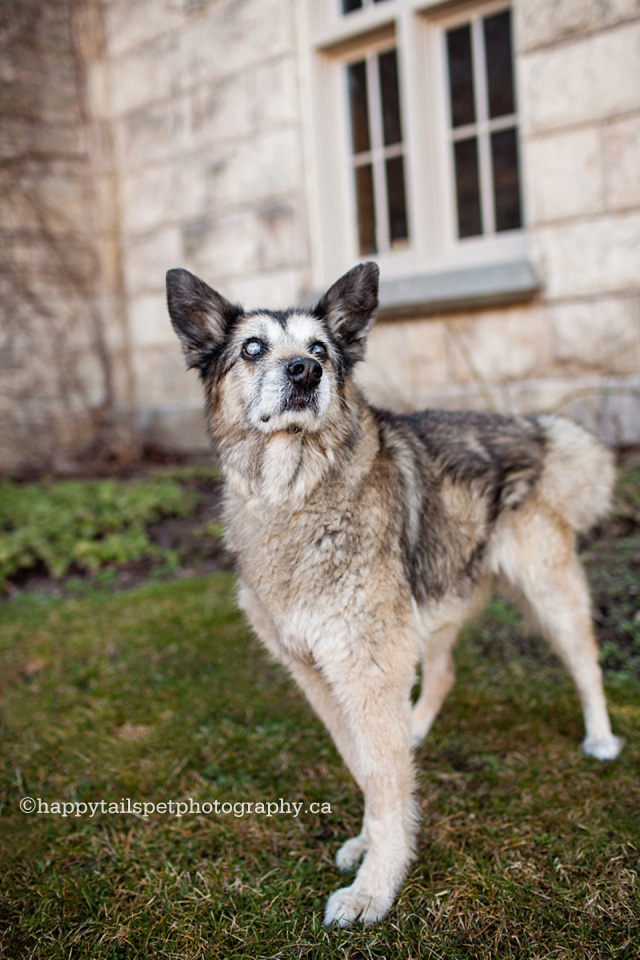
{"points": [[425, 294]]}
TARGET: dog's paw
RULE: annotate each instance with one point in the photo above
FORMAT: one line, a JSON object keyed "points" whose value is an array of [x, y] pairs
{"points": [[351, 853], [606, 748], [350, 905]]}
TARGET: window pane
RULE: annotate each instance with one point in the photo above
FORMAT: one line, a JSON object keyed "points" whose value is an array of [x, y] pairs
{"points": [[359, 105], [467, 187], [366, 209], [506, 179], [349, 5], [396, 201], [497, 39], [463, 108], [388, 72]]}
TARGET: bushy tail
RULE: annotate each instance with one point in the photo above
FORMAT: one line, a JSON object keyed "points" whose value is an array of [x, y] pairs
{"points": [[578, 475]]}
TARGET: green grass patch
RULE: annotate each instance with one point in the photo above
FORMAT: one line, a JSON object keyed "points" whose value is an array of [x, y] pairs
{"points": [[527, 849]]}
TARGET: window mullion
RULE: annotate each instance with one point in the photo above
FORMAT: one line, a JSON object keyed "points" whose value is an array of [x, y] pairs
{"points": [[395, 150], [472, 129], [377, 144], [367, 156], [482, 117]]}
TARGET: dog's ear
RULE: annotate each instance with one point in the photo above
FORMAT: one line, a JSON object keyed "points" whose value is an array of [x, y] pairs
{"points": [[349, 307], [201, 317]]}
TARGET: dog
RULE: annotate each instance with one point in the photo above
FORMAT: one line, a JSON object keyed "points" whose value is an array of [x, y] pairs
{"points": [[365, 539]]}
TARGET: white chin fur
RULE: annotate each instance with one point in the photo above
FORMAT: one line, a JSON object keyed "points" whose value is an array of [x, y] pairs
{"points": [[264, 411], [307, 421]]}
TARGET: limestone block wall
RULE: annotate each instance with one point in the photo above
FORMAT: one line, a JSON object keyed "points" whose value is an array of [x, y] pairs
{"points": [[139, 135], [64, 359], [203, 101]]}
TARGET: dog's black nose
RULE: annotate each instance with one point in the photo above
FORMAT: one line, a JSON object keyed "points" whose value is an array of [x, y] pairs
{"points": [[304, 372]]}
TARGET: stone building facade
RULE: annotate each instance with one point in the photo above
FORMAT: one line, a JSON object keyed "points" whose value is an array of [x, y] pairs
{"points": [[66, 385], [191, 133]]}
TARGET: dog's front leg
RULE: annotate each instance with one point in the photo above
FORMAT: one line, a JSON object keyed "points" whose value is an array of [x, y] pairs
{"points": [[321, 698], [319, 694], [378, 718]]}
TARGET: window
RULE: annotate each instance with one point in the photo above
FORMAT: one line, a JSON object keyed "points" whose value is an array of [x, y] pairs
{"points": [[348, 6], [413, 136], [377, 152], [483, 125]]}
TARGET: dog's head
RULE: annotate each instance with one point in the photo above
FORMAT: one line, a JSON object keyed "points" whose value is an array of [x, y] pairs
{"points": [[271, 371]]}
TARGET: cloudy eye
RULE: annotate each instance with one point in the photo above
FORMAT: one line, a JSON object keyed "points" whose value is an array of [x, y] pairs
{"points": [[253, 348], [318, 350]]}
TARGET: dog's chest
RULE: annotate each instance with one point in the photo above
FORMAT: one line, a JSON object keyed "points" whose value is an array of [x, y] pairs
{"points": [[296, 555], [316, 572]]}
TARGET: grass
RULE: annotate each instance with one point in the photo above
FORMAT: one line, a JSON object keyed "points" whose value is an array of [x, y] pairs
{"points": [[527, 849]]}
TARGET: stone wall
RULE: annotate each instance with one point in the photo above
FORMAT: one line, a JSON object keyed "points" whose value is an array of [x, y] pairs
{"points": [[202, 97], [138, 135], [65, 389]]}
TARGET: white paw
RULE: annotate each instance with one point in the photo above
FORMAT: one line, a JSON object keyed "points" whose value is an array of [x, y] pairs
{"points": [[606, 748], [351, 853], [350, 904], [420, 726]]}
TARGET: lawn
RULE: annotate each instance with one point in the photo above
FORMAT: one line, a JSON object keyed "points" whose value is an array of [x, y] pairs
{"points": [[160, 693]]}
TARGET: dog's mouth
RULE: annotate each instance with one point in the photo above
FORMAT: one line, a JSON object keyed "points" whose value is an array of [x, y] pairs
{"points": [[283, 405], [303, 402], [299, 400], [294, 404]]}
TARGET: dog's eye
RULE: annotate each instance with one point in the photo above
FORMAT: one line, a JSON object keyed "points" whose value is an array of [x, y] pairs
{"points": [[318, 350], [253, 348]]}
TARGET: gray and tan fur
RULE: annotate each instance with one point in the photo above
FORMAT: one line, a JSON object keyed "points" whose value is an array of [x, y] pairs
{"points": [[365, 539]]}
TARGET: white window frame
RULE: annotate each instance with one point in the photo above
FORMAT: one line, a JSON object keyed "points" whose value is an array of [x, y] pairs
{"points": [[329, 40]]}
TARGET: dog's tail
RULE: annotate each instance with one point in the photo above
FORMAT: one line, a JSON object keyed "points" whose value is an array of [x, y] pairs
{"points": [[578, 473]]}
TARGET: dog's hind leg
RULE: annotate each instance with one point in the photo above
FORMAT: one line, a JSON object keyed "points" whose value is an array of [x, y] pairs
{"points": [[439, 626], [438, 675], [537, 556]]}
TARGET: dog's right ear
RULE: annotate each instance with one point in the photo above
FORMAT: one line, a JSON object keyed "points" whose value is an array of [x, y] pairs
{"points": [[201, 317]]}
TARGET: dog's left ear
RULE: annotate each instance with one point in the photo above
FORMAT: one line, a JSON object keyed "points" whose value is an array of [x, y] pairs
{"points": [[201, 317], [349, 307]]}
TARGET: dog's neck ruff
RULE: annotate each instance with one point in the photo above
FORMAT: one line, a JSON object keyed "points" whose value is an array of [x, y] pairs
{"points": [[284, 469]]}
